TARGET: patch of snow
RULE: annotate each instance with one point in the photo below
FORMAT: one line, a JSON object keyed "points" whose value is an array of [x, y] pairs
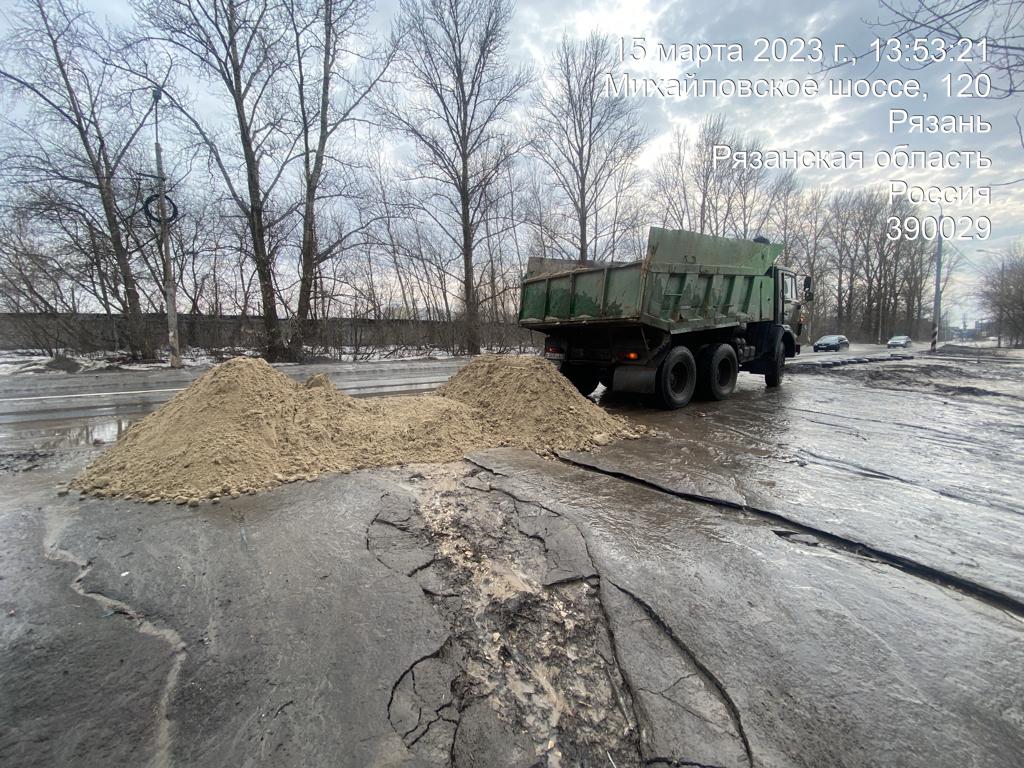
{"points": [[30, 361]]}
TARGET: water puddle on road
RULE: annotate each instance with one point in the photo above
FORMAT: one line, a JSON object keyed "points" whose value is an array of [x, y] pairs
{"points": [[60, 435]]}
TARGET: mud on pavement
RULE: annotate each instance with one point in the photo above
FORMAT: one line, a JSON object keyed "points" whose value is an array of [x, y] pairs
{"points": [[529, 674], [411, 616], [981, 375], [546, 662]]}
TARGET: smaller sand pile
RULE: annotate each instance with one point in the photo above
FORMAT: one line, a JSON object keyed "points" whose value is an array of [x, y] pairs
{"points": [[243, 427], [528, 402]]}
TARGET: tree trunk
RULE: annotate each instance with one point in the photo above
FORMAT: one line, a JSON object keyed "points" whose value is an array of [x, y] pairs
{"points": [[839, 300], [471, 337], [583, 237], [138, 341], [581, 214], [274, 346], [308, 259], [275, 349]]}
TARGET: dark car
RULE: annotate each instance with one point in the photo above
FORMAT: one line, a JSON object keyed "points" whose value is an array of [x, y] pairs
{"points": [[831, 343], [899, 341]]}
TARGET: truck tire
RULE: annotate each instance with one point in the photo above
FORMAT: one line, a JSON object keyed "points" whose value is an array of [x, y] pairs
{"points": [[584, 379], [773, 377], [717, 368], [676, 378]]}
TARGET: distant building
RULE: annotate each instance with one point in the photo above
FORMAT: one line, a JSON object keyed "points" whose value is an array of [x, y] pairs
{"points": [[985, 328]]}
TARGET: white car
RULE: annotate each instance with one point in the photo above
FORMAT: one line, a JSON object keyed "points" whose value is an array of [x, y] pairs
{"points": [[899, 341]]}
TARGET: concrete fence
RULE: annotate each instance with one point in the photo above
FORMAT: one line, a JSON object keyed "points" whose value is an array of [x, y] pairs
{"points": [[83, 333]]}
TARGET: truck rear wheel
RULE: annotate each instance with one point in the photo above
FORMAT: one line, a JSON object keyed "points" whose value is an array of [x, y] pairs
{"points": [[584, 379], [773, 377], [676, 378], [717, 368]]}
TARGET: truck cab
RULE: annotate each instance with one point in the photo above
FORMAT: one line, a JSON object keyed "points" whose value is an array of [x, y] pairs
{"points": [[790, 305]]}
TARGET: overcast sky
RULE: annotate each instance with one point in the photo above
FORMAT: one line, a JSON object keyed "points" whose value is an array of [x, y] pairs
{"points": [[818, 123], [815, 123]]}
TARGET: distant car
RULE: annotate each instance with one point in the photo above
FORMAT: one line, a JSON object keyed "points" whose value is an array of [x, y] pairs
{"points": [[831, 343], [899, 341]]}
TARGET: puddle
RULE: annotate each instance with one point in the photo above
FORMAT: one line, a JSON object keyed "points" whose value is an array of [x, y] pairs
{"points": [[49, 436]]}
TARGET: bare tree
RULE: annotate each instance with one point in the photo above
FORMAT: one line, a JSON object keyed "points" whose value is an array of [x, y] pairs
{"points": [[987, 34], [801, 221], [582, 134], [241, 47], [70, 153], [669, 188], [841, 229], [1002, 293], [708, 179], [754, 194], [334, 74], [1000, 23], [696, 190], [462, 90]]}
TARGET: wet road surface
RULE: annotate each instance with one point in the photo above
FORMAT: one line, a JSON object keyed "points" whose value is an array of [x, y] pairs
{"points": [[916, 474], [261, 632], [820, 656], [825, 574]]}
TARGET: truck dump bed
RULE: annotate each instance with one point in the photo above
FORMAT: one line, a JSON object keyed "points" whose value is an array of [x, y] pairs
{"points": [[686, 282]]}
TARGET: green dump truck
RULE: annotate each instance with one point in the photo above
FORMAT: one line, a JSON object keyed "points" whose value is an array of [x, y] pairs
{"points": [[685, 319]]}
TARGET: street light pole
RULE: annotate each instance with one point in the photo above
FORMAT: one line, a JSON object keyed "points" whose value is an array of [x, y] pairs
{"points": [[170, 299]]}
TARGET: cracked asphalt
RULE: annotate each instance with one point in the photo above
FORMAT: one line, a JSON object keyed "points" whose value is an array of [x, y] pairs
{"points": [[826, 574]]}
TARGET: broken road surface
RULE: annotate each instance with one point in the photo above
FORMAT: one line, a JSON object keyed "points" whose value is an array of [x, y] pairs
{"points": [[827, 587], [810, 654]]}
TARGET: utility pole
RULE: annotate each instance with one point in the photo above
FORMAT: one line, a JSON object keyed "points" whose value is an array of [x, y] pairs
{"points": [[170, 299], [937, 305]]}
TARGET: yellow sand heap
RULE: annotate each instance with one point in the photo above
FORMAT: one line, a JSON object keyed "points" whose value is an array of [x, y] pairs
{"points": [[244, 426]]}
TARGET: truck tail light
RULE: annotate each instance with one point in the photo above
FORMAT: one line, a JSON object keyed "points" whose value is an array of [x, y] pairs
{"points": [[552, 349], [632, 355]]}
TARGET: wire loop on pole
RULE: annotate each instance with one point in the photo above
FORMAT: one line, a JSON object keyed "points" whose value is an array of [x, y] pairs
{"points": [[148, 207]]}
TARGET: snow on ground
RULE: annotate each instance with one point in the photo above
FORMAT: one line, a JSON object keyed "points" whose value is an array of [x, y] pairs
{"points": [[20, 361], [31, 361]]}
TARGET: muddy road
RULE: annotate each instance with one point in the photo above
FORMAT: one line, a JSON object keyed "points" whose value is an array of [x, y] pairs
{"points": [[825, 574]]}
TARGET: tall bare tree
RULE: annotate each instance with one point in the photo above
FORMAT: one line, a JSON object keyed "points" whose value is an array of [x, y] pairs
{"points": [[241, 48], [708, 179], [669, 189], [585, 136], [70, 153], [461, 89], [335, 70], [754, 194]]}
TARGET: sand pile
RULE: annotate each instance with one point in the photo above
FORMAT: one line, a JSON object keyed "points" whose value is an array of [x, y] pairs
{"points": [[528, 402], [244, 426]]}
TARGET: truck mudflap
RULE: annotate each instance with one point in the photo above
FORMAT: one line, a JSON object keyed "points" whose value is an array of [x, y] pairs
{"points": [[639, 379], [764, 362], [784, 334]]}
